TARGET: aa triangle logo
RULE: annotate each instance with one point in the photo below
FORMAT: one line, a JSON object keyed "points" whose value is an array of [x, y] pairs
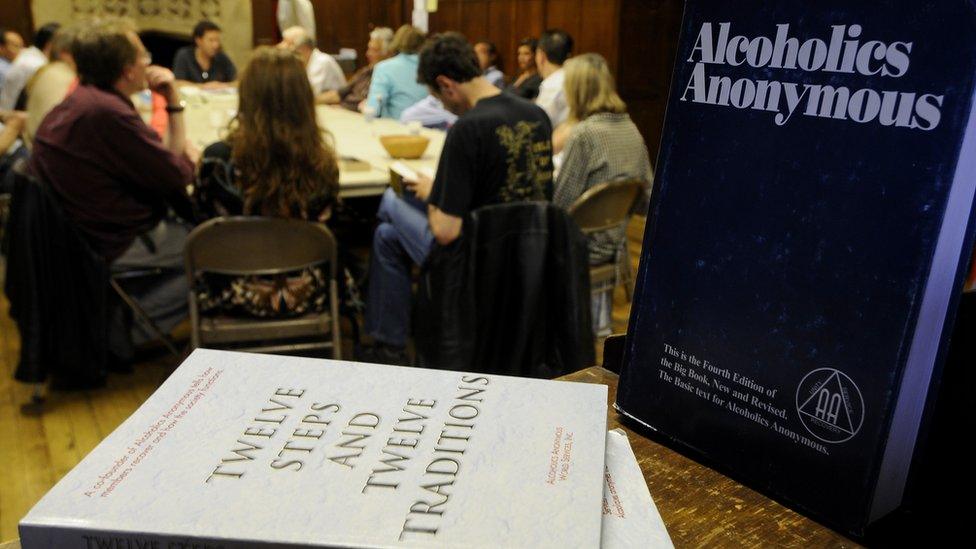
{"points": [[830, 405]]}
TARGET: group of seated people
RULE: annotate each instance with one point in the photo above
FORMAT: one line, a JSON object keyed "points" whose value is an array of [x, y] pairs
{"points": [[136, 194]]}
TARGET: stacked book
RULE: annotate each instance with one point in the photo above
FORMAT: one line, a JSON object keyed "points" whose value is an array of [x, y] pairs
{"points": [[243, 450]]}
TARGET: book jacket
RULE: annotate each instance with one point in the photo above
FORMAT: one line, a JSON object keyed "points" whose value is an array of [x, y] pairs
{"points": [[630, 518], [807, 241], [245, 450]]}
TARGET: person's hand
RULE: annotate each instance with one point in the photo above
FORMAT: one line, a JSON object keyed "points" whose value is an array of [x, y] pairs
{"points": [[14, 119], [421, 186], [328, 97], [161, 81]]}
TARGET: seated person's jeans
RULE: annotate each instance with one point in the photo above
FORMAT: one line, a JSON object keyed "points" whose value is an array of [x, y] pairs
{"points": [[162, 297], [402, 239]]}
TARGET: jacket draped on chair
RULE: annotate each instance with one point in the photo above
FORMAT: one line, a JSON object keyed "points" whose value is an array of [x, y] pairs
{"points": [[510, 296]]}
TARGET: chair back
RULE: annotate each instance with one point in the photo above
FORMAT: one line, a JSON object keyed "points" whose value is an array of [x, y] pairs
{"points": [[606, 205], [243, 245]]}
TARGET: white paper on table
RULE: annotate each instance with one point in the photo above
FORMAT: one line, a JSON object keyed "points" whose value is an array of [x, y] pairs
{"points": [[630, 518]]}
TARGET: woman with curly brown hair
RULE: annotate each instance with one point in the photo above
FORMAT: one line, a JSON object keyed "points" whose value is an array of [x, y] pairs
{"points": [[276, 161]]}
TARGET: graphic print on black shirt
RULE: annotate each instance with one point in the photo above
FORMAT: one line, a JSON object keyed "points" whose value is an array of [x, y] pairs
{"points": [[499, 151]]}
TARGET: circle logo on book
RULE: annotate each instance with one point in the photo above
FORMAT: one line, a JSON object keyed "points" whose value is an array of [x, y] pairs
{"points": [[830, 405]]}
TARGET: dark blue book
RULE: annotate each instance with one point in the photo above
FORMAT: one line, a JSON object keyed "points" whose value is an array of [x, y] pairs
{"points": [[810, 227]]}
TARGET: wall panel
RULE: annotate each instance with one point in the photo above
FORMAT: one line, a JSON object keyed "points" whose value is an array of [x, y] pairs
{"points": [[637, 37], [16, 15], [346, 23]]}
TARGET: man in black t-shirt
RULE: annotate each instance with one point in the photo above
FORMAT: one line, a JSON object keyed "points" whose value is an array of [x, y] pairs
{"points": [[204, 62], [499, 150]]}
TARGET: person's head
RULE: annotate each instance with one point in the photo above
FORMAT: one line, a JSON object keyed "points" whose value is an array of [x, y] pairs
{"points": [[590, 88], [407, 39], [10, 44], [555, 46], [447, 63], [61, 45], [526, 54], [44, 35], [300, 41], [378, 47], [206, 38], [487, 54], [109, 55], [283, 156]]}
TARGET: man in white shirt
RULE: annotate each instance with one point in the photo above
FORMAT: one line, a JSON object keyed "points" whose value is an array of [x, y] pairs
{"points": [[554, 48], [26, 64], [10, 45], [324, 72]]}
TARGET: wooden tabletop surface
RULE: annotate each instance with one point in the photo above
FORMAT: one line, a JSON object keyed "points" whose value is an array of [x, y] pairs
{"points": [[702, 507]]}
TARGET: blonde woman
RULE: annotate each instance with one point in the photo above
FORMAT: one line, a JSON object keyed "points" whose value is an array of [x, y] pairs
{"points": [[603, 145]]}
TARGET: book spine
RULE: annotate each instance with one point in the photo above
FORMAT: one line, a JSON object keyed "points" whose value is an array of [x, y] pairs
{"points": [[929, 339], [46, 536]]}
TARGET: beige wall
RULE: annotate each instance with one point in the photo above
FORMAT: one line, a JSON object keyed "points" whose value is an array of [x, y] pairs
{"points": [[170, 16]]}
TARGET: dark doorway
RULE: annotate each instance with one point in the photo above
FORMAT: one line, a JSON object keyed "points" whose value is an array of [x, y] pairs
{"points": [[163, 46]]}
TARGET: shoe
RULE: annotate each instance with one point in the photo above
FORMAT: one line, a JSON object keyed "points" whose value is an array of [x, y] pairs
{"points": [[382, 353]]}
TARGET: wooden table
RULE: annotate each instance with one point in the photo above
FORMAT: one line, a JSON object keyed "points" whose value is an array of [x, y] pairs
{"points": [[701, 507], [207, 115]]}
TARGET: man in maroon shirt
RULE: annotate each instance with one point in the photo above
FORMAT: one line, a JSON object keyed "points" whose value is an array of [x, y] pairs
{"points": [[115, 178]]}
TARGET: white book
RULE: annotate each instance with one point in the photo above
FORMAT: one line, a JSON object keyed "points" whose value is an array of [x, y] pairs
{"points": [[244, 450], [630, 518], [409, 173]]}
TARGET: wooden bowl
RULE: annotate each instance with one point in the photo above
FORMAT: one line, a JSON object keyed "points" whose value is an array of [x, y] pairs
{"points": [[405, 146]]}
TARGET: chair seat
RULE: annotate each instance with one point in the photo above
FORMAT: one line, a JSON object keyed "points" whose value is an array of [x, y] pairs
{"points": [[227, 329]]}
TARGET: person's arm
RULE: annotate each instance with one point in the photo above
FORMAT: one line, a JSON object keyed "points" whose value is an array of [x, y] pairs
{"points": [[14, 122], [648, 170], [162, 81], [560, 135], [137, 156], [216, 85], [572, 179], [429, 112], [330, 97], [445, 227], [380, 86], [230, 68]]}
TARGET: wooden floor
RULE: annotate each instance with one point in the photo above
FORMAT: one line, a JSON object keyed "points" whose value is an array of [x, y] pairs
{"points": [[37, 450]]}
